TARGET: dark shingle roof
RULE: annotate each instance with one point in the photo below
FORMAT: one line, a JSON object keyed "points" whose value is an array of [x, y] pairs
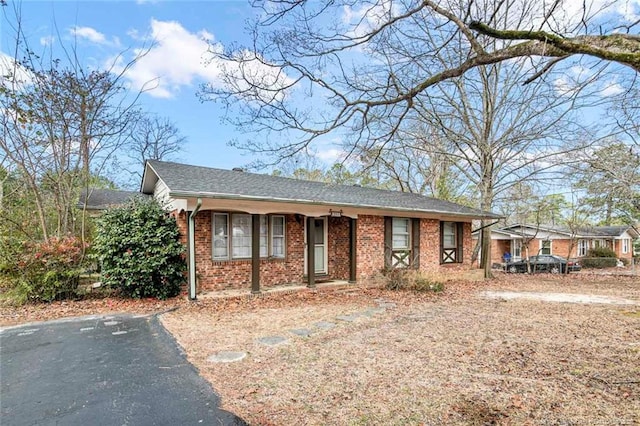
{"points": [[185, 180], [101, 199], [587, 231]]}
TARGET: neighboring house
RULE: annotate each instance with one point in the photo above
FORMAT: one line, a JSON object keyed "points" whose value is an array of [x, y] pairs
{"points": [[516, 239], [96, 200], [245, 230]]}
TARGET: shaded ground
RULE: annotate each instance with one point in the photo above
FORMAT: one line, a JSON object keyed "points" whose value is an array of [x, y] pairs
{"points": [[452, 358]]}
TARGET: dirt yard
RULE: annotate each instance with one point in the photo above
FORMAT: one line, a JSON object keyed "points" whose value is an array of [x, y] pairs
{"points": [[456, 357]]}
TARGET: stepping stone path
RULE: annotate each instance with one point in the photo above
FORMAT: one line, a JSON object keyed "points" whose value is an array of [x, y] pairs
{"points": [[272, 340], [382, 303], [372, 311], [302, 332], [325, 325], [227, 356], [349, 317]]}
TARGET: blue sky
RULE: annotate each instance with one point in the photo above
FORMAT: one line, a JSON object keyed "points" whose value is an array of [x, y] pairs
{"points": [[102, 29]]}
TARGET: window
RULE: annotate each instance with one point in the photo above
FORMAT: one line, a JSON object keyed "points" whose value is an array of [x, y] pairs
{"points": [[238, 240], [401, 242], [545, 247], [264, 236], [625, 246], [583, 247], [401, 234], [277, 236], [220, 236], [241, 236], [517, 249], [451, 242]]}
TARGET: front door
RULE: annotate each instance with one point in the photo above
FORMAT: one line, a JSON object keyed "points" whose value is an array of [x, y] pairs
{"points": [[320, 249]]}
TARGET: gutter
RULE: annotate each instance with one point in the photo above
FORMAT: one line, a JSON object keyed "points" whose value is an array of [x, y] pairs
{"points": [[190, 194], [192, 249]]}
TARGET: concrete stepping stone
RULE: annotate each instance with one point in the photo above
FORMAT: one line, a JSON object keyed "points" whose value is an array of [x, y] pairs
{"points": [[325, 325], [302, 332], [349, 317], [373, 311], [227, 356], [272, 340]]}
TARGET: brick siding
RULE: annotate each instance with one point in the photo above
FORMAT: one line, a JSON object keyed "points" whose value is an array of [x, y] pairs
{"points": [[236, 273]]}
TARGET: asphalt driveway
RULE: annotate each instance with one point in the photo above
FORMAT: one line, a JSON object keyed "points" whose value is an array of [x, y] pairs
{"points": [[121, 370]]}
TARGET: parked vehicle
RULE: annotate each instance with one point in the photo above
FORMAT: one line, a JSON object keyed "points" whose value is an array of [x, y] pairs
{"points": [[543, 263]]}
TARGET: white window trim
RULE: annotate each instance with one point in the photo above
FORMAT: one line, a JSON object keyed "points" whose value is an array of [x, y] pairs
{"points": [[283, 236], [408, 233], [625, 246], [542, 246], [213, 235], [229, 236], [583, 247]]}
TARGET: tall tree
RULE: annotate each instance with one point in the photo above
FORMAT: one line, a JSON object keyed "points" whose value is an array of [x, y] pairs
{"points": [[378, 68], [153, 138], [61, 123], [610, 180]]}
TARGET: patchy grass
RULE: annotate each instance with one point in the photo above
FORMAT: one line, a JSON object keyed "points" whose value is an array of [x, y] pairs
{"points": [[447, 358], [435, 358]]}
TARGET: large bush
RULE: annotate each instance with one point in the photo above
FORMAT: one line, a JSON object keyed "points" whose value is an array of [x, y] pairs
{"points": [[139, 249], [41, 271], [600, 257]]}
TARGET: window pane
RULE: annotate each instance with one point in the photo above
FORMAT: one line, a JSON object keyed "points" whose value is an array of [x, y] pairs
{"points": [[400, 239], [264, 247], [241, 235], [220, 236], [449, 235], [277, 236]]}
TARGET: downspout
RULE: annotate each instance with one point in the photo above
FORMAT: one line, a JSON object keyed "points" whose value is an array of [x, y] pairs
{"points": [[192, 250]]}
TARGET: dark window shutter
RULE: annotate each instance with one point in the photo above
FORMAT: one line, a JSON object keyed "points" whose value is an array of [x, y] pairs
{"points": [[415, 243], [460, 235], [388, 228], [441, 242]]}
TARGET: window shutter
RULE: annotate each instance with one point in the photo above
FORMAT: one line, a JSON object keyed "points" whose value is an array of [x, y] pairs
{"points": [[387, 241], [460, 235], [415, 243], [441, 242]]}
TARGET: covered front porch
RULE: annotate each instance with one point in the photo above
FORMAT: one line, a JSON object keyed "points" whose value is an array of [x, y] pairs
{"points": [[267, 246]]}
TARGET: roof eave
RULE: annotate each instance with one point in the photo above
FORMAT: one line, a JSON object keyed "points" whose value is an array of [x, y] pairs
{"points": [[194, 194]]}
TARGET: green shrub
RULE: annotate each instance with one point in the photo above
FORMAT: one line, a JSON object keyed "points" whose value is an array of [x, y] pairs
{"points": [[601, 252], [139, 249], [600, 257], [42, 271]]}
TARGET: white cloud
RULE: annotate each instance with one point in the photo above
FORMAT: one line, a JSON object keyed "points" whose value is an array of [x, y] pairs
{"points": [[12, 72], [331, 155], [178, 58], [611, 89], [89, 34], [47, 40], [174, 60]]}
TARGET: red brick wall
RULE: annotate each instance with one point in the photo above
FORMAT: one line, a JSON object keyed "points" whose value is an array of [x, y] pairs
{"points": [[370, 245], [216, 275], [236, 273], [338, 250], [430, 248], [498, 249]]}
